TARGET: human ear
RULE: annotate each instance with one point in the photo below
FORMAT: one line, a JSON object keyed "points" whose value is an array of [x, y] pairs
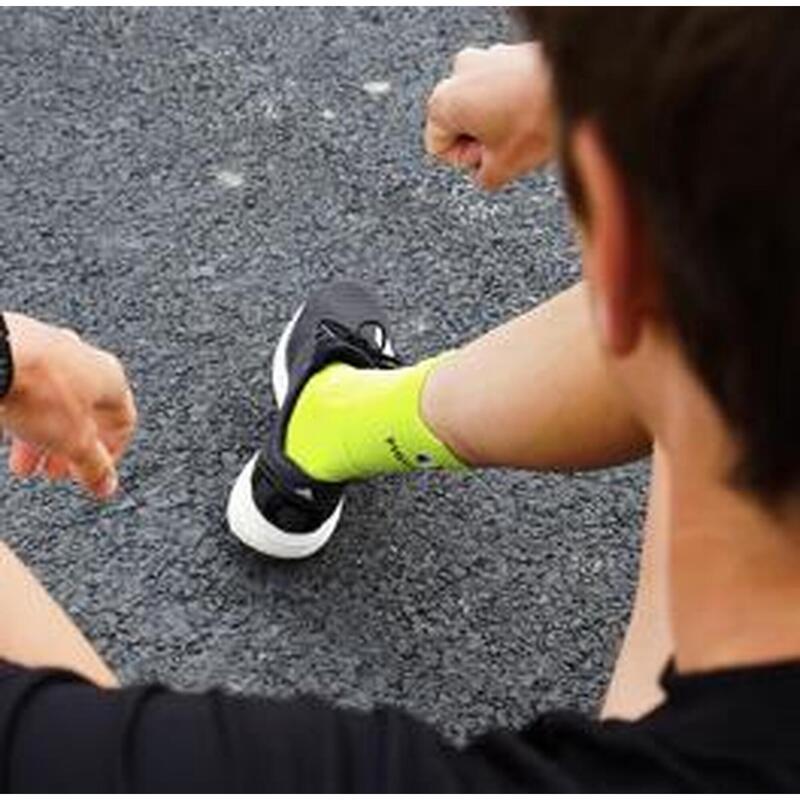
{"points": [[612, 242]]}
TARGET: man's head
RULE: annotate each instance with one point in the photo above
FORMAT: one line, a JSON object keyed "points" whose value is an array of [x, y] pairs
{"points": [[680, 136]]}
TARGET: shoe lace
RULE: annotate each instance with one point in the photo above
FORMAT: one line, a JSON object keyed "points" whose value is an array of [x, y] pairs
{"points": [[359, 339]]}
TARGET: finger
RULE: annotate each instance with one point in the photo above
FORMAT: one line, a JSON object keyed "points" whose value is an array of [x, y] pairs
{"points": [[492, 174], [71, 334], [108, 379], [117, 426], [461, 107], [466, 153], [126, 419], [441, 130], [469, 59], [23, 458], [56, 467], [502, 47], [438, 139], [92, 466]]}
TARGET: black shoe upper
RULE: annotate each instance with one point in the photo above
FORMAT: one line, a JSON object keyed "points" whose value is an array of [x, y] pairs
{"points": [[340, 323]]}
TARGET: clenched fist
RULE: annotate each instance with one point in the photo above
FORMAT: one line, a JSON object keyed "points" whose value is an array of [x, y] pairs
{"points": [[494, 114], [70, 410]]}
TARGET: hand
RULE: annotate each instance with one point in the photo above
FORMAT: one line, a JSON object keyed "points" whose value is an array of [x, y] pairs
{"points": [[493, 115], [70, 411]]}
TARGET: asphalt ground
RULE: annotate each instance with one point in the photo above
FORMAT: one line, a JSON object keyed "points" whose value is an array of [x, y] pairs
{"points": [[171, 184]]}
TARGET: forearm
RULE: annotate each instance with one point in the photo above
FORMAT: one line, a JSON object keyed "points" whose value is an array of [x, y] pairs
{"points": [[35, 631], [535, 393]]}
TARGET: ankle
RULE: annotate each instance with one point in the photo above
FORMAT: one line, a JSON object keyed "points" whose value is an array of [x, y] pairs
{"points": [[439, 410]]}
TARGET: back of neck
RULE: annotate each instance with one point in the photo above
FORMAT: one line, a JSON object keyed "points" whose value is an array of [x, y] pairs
{"points": [[734, 577]]}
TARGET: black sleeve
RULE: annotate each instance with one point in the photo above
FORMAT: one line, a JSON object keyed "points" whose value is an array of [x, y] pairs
{"points": [[59, 733]]}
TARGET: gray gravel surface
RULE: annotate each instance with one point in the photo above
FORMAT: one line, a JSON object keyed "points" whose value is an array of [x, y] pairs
{"points": [[171, 183]]}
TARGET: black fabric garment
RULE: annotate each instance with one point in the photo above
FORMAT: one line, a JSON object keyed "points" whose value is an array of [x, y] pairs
{"points": [[734, 730]]}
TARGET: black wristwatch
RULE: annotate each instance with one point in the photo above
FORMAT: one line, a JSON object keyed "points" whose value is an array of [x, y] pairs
{"points": [[6, 361]]}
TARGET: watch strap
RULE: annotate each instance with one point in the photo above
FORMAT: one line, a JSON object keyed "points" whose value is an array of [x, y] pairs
{"points": [[6, 360]]}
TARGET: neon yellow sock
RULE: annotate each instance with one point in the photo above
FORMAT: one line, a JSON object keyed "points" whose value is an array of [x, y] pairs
{"points": [[353, 423]]}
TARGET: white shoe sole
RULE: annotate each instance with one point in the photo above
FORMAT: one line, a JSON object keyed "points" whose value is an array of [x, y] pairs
{"points": [[249, 527], [244, 519]]}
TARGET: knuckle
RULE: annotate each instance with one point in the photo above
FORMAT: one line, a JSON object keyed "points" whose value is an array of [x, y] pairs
{"points": [[439, 125], [83, 446], [465, 55], [435, 97], [489, 180], [113, 368], [80, 443], [42, 378], [113, 364], [441, 100], [132, 412], [69, 334]]}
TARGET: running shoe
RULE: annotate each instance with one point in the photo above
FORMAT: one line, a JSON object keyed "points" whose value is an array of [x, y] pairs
{"points": [[275, 507]]}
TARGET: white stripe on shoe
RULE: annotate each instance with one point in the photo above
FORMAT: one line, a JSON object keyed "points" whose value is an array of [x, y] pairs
{"points": [[280, 361]]}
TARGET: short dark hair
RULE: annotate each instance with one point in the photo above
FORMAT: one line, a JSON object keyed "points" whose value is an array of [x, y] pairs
{"points": [[700, 111]]}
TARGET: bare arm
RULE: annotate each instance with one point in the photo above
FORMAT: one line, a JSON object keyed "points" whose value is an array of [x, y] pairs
{"points": [[36, 632], [71, 414]]}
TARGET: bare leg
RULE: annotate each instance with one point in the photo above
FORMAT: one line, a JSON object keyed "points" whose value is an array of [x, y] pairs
{"points": [[36, 632], [534, 393]]}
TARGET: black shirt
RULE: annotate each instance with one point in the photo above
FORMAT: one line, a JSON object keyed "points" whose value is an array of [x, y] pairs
{"points": [[734, 730]]}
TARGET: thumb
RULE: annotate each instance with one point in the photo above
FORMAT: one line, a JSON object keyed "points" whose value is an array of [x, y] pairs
{"points": [[23, 458], [465, 153], [491, 173], [92, 466]]}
